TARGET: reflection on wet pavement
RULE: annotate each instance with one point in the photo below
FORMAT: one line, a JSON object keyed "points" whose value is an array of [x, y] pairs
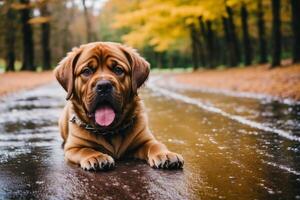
{"points": [[224, 159]]}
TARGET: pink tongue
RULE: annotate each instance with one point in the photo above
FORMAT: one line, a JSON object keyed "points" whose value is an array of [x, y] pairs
{"points": [[104, 116]]}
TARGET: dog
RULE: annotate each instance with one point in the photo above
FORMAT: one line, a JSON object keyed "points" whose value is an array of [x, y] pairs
{"points": [[104, 118]]}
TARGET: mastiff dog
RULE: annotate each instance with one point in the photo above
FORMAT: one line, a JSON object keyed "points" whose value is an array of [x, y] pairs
{"points": [[104, 118]]}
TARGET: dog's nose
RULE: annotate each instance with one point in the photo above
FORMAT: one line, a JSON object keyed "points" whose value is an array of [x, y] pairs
{"points": [[104, 87]]}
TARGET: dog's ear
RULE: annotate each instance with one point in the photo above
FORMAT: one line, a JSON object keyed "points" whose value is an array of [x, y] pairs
{"points": [[139, 66], [64, 72]]}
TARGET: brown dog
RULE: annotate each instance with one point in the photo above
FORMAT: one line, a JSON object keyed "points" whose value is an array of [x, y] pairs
{"points": [[104, 118]]}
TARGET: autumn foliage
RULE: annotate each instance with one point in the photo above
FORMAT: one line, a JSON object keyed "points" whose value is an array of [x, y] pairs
{"points": [[169, 33], [215, 32]]}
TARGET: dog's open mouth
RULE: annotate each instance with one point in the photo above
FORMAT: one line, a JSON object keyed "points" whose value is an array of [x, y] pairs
{"points": [[105, 115]]}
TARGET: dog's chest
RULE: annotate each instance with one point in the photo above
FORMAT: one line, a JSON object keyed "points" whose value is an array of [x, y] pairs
{"points": [[116, 146]]}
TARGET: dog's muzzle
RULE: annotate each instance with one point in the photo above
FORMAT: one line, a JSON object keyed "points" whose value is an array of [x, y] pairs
{"points": [[104, 110]]}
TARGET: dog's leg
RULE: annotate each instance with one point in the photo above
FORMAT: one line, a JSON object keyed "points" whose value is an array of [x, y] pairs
{"points": [[158, 156], [89, 159]]}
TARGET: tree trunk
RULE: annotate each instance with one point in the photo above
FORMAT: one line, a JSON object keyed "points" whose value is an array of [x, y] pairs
{"points": [[230, 53], [10, 38], [89, 33], [200, 49], [261, 33], [296, 30], [210, 43], [276, 34], [193, 36], [199, 46], [28, 52], [203, 32], [233, 35], [67, 37], [246, 36], [158, 60], [45, 39], [208, 35], [170, 61]]}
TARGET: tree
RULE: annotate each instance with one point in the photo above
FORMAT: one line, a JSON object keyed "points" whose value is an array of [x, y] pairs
{"points": [[296, 30], [199, 45], [45, 36], [89, 33], [261, 33], [10, 37], [195, 50], [231, 38], [208, 35], [246, 36], [169, 27], [169, 24], [232, 60], [28, 48], [276, 34], [210, 43]]}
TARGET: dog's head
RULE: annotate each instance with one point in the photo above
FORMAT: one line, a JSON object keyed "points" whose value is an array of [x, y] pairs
{"points": [[102, 78]]}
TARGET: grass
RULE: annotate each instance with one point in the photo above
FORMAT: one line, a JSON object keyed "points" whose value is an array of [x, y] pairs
{"points": [[18, 65], [2, 64]]}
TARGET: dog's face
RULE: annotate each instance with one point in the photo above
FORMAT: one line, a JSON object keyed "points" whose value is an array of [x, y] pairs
{"points": [[102, 78]]}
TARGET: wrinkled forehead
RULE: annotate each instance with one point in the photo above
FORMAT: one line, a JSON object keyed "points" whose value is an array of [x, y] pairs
{"points": [[102, 53]]}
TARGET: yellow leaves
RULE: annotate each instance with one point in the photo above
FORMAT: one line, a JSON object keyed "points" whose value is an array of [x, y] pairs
{"points": [[169, 40], [190, 20], [188, 10], [159, 25], [164, 24], [39, 20], [135, 39], [159, 32], [30, 5], [21, 6], [131, 19], [232, 3]]}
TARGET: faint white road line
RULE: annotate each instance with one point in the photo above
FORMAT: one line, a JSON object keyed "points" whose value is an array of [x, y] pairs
{"points": [[282, 167], [213, 109]]}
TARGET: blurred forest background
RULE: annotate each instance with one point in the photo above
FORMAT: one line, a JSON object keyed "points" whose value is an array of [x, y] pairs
{"points": [[36, 34]]}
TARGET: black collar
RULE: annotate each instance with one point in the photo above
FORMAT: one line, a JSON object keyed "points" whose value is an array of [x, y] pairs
{"points": [[75, 119]]}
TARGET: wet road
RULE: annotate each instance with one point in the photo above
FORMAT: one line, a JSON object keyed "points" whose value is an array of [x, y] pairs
{"points": [[234, 148]]}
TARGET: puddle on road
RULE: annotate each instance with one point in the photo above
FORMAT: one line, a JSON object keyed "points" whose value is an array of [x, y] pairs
{"points": [[224, 159], [284, 115], [269, 113]]}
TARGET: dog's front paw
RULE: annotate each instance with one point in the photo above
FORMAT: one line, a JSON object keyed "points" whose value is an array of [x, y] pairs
{"points": [[166, 160], [98, 162]]}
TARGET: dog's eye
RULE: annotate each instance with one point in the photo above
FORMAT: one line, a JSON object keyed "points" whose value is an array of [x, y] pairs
{"points": [[118, 70], [87, 72]]}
